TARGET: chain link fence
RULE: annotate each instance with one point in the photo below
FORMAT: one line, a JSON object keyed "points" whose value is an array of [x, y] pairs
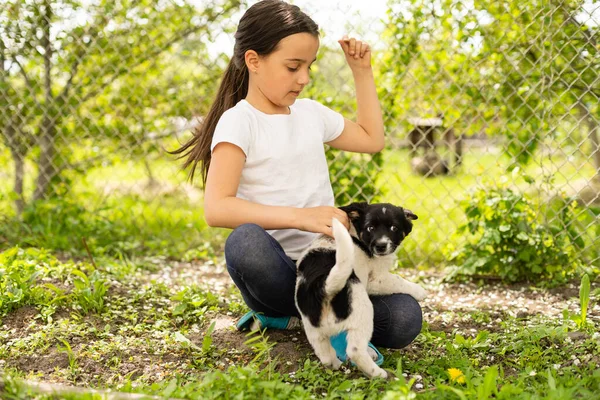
{"points": [[474, 93]]}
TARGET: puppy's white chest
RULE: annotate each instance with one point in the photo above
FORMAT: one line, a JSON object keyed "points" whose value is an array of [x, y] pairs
{"points": [[367, 266]]}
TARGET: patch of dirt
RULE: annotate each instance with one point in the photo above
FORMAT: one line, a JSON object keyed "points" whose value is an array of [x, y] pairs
{"points": [[451, 307], [516, 300], [19, 320], [463, 326], [93, 367], [494, 298], [288, 346], [42, 363], [178, 274]]}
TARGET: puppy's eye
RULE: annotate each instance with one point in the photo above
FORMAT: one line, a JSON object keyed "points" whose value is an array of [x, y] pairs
{"points": [[393, 228], [369, 229]]}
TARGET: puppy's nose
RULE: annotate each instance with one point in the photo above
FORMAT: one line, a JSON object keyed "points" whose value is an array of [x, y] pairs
{"points": [[380, 248]]}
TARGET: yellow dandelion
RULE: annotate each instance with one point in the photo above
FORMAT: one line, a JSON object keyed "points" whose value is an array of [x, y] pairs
{"points": [[456, 375]]}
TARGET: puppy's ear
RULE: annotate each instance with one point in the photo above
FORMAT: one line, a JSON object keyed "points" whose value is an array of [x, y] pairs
{"points": [[355, 210], [410, 215]]}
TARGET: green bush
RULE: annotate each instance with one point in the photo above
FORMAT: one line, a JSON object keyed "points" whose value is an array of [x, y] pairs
{"points": [[59, 224], [30, 277], [22, 279], [125, 225], [505, 238]]}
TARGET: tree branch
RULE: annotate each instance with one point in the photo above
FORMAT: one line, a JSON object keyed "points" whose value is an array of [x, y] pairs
{"points": [[590, 38], [592, 90], [149, 56], [45, 41], [25, 76], [83, 164], [92, 31], [141, 60]]}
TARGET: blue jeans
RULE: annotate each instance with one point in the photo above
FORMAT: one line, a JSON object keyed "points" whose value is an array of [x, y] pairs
{"points": [[266, 277]]}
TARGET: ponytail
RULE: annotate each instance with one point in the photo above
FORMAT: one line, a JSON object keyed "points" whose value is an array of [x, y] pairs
{"points": [[233, 88]]}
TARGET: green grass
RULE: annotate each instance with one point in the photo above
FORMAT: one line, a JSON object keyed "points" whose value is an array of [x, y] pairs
{"points": [[107, 347], [113, 220], [116, 220]]}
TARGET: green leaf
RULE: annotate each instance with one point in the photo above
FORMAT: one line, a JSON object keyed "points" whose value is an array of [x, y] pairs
{"points": [[551, 381], [584, 296], [180, 309], [522, 236], [207, 340], [181, 338], [81, 275], [456, 391], [171, 387], [344, 385], [489, 384], [53, 287]]}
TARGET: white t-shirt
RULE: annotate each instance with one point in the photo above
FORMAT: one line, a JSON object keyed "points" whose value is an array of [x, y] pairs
{"points": [[285, 159]]}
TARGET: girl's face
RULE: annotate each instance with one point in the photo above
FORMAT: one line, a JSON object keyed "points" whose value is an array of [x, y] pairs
{"points": [[281, 76]]}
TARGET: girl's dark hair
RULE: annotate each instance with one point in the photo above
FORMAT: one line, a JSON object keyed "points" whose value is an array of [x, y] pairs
{"points": [[260, 29]]}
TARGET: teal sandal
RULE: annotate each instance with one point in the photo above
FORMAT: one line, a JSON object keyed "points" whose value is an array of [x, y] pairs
{"points": [[246, 321]]}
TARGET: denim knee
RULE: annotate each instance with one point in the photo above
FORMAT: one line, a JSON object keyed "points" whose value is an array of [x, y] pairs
{"points": [[242, 247], [398, 320], [245, 233]]}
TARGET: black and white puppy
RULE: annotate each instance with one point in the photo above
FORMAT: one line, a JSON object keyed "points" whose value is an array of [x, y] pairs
{"points": [[336, 277]]}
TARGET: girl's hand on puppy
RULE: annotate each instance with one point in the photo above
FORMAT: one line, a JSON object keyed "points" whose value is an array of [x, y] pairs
{"points": [[318, 219]]}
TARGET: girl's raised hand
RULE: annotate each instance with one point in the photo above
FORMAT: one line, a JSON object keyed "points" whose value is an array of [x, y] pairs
{"points": [[358, 54]]}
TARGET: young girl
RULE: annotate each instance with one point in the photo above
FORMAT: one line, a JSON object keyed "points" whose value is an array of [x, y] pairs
{"points": [[264, 168]]}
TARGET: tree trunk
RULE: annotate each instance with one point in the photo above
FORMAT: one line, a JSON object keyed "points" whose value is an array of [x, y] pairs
{"points": [[46, 170], [19, 175], [10, 126], [18, 155], [151, 180]]}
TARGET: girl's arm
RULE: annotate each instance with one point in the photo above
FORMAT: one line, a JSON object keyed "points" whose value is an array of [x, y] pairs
{"points": [[223, 209], [366, 135]]}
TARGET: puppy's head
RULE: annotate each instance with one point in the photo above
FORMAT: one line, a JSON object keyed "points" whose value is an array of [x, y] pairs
{"points": [[381, 227]]}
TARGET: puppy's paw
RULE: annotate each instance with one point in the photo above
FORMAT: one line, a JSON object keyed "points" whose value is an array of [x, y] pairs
{"points": [[334, 364], [417, 292], [379, 373]]}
